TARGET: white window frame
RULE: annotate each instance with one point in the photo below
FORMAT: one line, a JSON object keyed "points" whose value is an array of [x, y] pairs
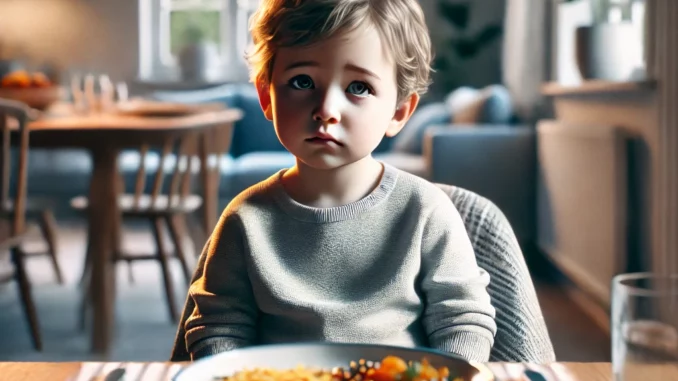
{"points": [[156, 64]]}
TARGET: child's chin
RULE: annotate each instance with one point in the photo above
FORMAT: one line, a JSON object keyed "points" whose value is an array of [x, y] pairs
{"points": [[325, 162]]}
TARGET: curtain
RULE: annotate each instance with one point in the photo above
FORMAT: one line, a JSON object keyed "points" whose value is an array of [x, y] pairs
{"points": [[526, 54]]}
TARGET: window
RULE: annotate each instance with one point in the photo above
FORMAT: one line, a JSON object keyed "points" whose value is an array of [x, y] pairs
{"points": [[179, 17], [166, 26]]}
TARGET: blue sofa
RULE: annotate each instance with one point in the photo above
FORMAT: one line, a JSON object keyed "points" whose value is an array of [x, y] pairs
{"points": [[496, 161]]}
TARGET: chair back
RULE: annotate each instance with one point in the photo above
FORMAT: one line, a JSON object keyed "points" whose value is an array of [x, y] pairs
{"points": [[14, 118], [179, 157], [522, 335]]}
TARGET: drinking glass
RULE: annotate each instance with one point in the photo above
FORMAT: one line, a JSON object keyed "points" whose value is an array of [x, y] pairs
{"points": [[645, 327], [78, 95], [122, 92]]}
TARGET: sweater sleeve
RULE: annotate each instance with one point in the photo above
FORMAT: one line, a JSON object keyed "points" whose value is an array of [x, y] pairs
{"points": [[458, 315], [225, 312]]}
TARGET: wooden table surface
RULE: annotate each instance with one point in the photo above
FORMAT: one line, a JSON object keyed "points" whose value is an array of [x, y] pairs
{"points": [[165, 371]]}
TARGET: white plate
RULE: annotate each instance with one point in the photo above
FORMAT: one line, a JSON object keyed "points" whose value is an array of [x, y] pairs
{"points": [[321, 355], [148, 108]]}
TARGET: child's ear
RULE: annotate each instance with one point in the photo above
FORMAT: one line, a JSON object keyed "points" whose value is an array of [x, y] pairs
{"points": [[264, 91], [402, 115]]}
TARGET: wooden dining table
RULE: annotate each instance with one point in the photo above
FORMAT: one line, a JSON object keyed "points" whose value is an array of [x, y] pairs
{"points": [[165, 371], [105, 135]]}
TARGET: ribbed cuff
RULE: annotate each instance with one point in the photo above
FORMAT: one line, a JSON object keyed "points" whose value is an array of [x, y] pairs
{"points": [[213, 346], [469, 345]]}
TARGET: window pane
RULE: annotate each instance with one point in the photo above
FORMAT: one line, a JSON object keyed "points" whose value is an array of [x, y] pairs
{"points": [[245, 10], [192, 24]]}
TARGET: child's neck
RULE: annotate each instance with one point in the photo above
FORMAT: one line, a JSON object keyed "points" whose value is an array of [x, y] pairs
{"points": [[322, 188]]}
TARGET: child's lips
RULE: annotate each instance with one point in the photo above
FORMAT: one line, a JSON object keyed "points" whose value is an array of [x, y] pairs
{"points": [[323, 140]]}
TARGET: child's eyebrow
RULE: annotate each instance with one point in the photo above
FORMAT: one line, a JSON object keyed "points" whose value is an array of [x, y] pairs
{"points": [[359, 69], [349, 66], [297, 64]]}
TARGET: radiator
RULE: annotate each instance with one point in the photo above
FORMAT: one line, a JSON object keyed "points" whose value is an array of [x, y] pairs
{"points": [[582, 202]]}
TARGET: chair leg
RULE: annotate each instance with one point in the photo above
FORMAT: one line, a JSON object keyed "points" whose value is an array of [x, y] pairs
{"points": [[117, 249], [130, 272], [26, 297], [84, 304], [176, 235], [48, 228], [156, 224], [86, 267]]}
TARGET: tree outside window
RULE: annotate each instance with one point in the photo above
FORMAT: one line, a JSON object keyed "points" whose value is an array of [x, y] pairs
{"points": [[184, 21]]}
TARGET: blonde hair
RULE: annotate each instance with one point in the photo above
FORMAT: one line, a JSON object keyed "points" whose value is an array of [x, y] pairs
{"points": [[400, 23]]}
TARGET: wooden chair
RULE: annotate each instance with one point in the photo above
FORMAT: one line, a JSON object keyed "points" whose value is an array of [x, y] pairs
{"points": [[171, 204], [12, 220], [39, 210]]}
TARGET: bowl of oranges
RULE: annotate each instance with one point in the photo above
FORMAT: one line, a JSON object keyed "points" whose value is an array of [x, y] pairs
{"points": [[32, 88]]}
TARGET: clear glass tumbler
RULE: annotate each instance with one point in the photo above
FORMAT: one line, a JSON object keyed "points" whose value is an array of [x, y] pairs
{"points": [[645, 327]]}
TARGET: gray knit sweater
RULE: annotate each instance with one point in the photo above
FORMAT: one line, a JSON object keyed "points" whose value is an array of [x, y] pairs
{"points": [[396, 267]]}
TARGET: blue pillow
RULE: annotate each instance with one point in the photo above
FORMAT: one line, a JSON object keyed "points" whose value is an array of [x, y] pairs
{"points": [[498, 108], [411, 137], [490, 105], [253, 133]]}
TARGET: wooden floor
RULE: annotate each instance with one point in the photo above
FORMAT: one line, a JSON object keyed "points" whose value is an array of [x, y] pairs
{"points": [[145, 332]]}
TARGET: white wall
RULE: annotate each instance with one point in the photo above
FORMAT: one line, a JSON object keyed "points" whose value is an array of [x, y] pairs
{"points": [[96, 35]]}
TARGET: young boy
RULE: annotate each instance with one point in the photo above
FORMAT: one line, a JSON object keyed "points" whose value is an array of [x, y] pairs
{"points": [[340, 247]]}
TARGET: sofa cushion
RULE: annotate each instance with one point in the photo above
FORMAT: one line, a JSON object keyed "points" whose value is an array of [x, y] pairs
{"points": [[490, 105], [414, 164], [253, 133], [411, 137], [58, 173], [252, 168]]}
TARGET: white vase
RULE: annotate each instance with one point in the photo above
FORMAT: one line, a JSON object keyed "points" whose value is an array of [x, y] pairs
{"points": [[608, 51]]}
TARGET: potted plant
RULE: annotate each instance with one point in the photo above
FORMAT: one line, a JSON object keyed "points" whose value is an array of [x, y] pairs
{"points": [[466, 44], [608, 49], [197, 55]]}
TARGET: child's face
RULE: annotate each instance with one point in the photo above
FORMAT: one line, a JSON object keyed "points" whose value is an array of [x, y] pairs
{"points": [[333, 102]]}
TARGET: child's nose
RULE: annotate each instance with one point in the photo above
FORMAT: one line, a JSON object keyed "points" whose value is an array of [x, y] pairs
{"points": [[328, 109]]}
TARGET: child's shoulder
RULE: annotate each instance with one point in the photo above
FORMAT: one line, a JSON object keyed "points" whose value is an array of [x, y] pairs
{"points": [[421, 190], [256, 197]]}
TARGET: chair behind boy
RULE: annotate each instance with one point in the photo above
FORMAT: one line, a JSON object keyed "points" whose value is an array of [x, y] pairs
{"points": [[521, 330]]}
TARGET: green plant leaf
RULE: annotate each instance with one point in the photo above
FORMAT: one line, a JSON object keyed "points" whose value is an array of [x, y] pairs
{"points": [[488, 34], [456, 13], [440, 63], [465, 47]]}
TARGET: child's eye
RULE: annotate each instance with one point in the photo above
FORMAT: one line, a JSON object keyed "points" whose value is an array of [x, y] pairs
{"points": [[359, 88], [301, 82]]}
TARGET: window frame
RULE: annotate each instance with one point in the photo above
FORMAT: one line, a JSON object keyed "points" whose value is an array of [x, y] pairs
{"points": [[155, 60]]}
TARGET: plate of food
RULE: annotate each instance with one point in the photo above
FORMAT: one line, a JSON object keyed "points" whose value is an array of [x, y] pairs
{"points": [[333, 362]]}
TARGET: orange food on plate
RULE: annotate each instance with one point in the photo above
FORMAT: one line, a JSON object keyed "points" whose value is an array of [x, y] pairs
{"points": [[391, 368]]}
